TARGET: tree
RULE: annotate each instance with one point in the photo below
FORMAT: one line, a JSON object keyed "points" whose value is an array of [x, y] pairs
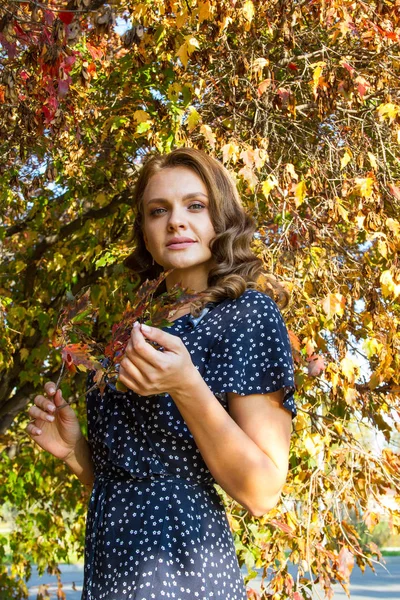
{"points": [[300, 100]]}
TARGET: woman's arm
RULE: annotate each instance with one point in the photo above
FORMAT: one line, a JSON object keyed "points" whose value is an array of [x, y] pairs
{"points": [[59, 432], [79, 461], [246, 451]]}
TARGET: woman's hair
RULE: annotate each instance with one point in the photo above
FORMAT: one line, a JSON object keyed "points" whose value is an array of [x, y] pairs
{"points": [[236, 268]]}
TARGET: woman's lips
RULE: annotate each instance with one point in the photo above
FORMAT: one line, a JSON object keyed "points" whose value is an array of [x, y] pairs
{"points": [[180, 246]]}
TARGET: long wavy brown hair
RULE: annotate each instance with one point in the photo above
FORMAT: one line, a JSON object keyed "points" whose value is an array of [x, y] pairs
{"points": [[236, 268]]}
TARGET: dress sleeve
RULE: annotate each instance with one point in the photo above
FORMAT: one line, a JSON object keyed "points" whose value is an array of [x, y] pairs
{"points": [[253, 353]]}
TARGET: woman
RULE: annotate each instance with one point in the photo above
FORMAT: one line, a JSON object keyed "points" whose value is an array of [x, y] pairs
{"points": [[214, 404]]}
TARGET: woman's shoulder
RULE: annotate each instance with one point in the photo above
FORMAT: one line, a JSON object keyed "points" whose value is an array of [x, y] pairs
{"points": [[251, 302]]}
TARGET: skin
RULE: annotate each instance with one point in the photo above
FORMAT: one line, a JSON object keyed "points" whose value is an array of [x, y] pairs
{"points": [[245, 449]]}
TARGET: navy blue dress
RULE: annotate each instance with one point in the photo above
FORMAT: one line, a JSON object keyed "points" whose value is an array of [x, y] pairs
{"points": [[156, 527]]}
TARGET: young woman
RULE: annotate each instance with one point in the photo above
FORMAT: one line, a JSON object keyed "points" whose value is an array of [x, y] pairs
{"points": [[212, 405]]}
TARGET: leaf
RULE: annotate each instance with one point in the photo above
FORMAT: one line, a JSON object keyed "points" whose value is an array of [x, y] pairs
{"points": [[263, 86], [78, 354], [388, 111], [269, 184], [346, 158], [345, 563], [314, 444], [395, 191], [350, 368], [389, 287], [230, 152], [316, 365], [300, 193], [193, 119], [372, 160], [141, 116], [66, 16], [208, 134], [364, 186], [248, 11], [334, 304], [187, 48]]}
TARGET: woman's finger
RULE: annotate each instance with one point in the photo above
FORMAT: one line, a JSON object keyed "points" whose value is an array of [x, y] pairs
{"points": [[32, 429], [37, 413], [44, 403]]}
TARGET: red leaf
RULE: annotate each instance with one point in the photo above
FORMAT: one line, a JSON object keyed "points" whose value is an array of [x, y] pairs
{"points": [[78, 354], [49, 17], [346, 563], [394, 190], [292, 66], [95, 53], [316, 365], [348, 67], [264, 85], [283, 526], [66, 17], [63, 86]]}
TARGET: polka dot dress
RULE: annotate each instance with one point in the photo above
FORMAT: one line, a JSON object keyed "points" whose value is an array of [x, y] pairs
{"points": [[156, 527]]}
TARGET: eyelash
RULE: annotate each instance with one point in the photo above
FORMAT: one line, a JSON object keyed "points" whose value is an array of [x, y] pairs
{"points": [[155, 213]]}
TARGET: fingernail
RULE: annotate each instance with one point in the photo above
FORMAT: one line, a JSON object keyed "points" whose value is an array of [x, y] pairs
{"points": [[50, 417], [146, 328], [38, 431], [51, 407], [52, 390], [136, 324]]}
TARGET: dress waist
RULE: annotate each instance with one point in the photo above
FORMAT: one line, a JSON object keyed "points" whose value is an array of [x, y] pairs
{"points": [[128, 477]]}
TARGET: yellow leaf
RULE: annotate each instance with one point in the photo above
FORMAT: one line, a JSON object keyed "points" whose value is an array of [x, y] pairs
{"points": [[382, 248], [389, 287], [388, 111], [346, 158], [300, 193], [188, 47], [248, 11], [101, 198], [372, 160], [393, 226], [204, 11], [181, 19], [334, 304], [193, 119], [349, 367], [338, 425], [371, 346], [183, 54], [318, 68], [230, 152], [350, 395], [208, 134], [313, 444], [24, 353], [141, 116], [249, 176], [343, 212], [269, 184], [364, 186]]}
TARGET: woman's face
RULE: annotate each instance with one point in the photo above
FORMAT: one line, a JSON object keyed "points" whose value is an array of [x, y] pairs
{"points": [[177, 227]]}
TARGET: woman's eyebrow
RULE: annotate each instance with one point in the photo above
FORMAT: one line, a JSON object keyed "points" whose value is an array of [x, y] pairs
{"points": [[185, 197]]}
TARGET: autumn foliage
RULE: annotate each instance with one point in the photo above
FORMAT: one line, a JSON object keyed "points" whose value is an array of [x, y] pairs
{"points": [[300, 100]]}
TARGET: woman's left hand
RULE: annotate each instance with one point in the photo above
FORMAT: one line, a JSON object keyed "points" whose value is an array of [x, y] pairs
{"points": [[148, 371]]}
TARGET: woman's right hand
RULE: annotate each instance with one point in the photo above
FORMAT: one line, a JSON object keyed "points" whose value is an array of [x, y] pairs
{"points": [[57, 431]]}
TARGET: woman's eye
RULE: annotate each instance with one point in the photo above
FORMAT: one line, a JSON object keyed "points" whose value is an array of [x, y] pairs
{"points": [[156, 211], [197, 205]]}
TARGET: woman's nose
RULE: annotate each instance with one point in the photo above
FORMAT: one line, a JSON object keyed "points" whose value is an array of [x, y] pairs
{"points": [[177, 219]]}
